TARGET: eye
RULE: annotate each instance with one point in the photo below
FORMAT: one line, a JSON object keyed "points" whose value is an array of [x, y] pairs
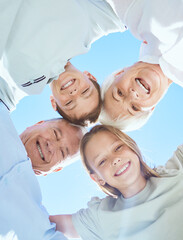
{"points": [[102, 162], [119, 92], [62, 152], [118, 147], [135, 108], [55, 133], [68, 103], [85, 91]]}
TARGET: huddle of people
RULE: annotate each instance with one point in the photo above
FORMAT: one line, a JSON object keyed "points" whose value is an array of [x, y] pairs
{"points": [[141, 201]]}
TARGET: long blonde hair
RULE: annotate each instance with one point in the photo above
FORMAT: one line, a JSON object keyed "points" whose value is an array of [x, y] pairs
{"points": [[146, 170]]}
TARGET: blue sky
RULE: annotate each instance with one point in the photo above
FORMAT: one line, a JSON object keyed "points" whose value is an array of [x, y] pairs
{"points": [[69, 190]]}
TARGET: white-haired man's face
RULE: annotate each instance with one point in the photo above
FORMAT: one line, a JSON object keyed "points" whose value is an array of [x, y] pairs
{"points": [[50, 143], [135, 89]]}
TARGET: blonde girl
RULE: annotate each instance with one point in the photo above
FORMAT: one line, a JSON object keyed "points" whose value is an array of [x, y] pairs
{"points": [[143, 203]]}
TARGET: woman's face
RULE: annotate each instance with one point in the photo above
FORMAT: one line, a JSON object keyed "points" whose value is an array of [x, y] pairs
{"points": [[114, 163], [135, 89]]}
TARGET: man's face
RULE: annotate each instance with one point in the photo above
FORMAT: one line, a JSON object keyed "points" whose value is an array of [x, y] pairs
{"points": [[137, 88], [74, 92], [51, 143]]}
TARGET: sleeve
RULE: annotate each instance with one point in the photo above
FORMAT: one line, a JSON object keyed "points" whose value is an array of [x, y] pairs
{"points": [[12, 150], [174, 164], [8, 12], [10, 94], [86, 221]]}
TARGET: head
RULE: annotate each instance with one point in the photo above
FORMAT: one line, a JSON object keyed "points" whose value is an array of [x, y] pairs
{"points": [[51, 144], [113, 160], [76, 96], [131, 94]]}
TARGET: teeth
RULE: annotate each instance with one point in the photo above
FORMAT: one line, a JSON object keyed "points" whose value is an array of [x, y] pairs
{"points": [[122, 170], [142, 86], [67, 84], [39, 149]]}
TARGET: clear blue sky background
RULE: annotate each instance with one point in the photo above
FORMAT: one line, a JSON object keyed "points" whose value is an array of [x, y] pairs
{"points": [[69, 190]]}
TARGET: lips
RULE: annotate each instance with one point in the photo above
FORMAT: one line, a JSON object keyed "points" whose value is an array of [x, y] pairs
{"points": [[68, 84], [40, 151], [143, 84], [122, 169]]}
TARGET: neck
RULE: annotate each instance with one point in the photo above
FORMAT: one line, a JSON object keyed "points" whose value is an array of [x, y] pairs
{"points": [[134, 188]]}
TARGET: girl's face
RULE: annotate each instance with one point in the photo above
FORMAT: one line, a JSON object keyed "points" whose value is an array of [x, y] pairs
{"points": [[114, 163]]}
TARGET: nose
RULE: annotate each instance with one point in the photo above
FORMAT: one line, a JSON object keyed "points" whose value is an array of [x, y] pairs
{"points": [[73, 91], [116, 161], [50, 146], [133, 93]]}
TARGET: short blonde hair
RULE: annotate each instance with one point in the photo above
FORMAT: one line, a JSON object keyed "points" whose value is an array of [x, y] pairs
{"points": [[146, 170], [124, 123]]}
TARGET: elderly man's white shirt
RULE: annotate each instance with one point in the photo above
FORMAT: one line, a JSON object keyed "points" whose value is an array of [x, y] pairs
{"points": [[22, 215], [160, 24]]}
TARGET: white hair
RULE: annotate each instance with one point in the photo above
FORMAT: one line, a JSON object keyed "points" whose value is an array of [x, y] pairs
{"points": [[123, 123]]}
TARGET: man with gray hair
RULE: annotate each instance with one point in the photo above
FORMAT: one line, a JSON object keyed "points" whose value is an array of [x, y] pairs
{"points": [[50, 145]]}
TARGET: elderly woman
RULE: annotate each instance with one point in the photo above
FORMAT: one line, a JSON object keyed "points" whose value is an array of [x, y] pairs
{"points": [[130, 94]]}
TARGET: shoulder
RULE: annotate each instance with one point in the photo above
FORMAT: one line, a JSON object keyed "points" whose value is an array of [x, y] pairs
{"points": [[174, 164]]}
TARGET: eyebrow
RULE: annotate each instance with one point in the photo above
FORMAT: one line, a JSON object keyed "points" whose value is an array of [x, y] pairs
{"points": [[58, 129], [99, 154], [76, 101]]}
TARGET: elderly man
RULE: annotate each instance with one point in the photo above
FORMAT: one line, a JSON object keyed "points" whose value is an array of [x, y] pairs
{"points": [[50, 144], [22, 215]]}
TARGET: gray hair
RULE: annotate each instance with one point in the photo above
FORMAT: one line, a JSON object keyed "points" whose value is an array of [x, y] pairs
{"points": [[124, 123]]}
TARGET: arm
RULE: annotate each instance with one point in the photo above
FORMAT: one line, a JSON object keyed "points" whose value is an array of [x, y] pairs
{"points": [[64, 224]]}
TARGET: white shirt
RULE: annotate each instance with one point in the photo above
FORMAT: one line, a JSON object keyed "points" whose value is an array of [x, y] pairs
{"points": [[44, 34], [22, 215], [160, 24], [154, 213]]}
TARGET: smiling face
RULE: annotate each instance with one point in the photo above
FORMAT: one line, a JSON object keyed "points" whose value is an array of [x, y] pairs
{"points": [[114, 163], [135, 89], [74, 92], [51, 143]]}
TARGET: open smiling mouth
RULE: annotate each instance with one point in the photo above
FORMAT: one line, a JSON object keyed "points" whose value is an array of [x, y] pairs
{"points": [[39, 149], [122, 170], [143, 85], [68, 84]]}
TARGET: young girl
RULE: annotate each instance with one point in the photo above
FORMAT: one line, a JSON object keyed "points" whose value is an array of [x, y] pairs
{"points": [[143, 203]]}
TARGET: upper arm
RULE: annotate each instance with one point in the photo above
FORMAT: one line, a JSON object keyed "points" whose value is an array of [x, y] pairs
{"points": [[64, 224]]}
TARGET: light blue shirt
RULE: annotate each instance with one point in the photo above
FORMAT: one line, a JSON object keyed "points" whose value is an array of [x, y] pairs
{"points": [[22, 215]]}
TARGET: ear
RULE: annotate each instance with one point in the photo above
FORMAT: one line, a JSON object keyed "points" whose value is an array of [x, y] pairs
{"points": [[40, 122], [37, 172], [118, 73], [53, 103], [169, 82], [58, 169], [90, 75], [97, 179]]}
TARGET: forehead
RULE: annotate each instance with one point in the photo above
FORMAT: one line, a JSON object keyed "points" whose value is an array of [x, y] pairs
{"points": [[101, 140]]}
